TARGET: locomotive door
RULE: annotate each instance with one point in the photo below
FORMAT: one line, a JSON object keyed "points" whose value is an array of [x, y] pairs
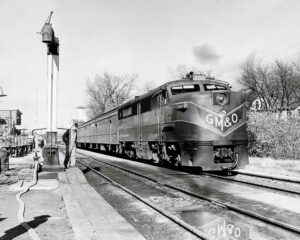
{"points": [[163, 100], [139, 123], [139, 131], [110, 131], [158, 102], [160, 117]]}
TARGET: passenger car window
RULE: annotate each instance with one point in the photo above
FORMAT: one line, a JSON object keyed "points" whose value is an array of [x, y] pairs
{"points": [[185, 89], [127, 112], [165, 98], [146, 105]]}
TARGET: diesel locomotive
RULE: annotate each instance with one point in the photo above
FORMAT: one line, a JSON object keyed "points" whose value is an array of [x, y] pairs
{"points": [[196, 121]]}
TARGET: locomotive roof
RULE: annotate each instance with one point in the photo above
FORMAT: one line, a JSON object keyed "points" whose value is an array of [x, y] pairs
{"points": [[153, 92], [181, 81], [108, 113]]}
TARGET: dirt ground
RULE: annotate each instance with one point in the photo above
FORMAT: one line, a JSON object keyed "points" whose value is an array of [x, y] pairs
{"points": [[277, 167], [44, 209]]}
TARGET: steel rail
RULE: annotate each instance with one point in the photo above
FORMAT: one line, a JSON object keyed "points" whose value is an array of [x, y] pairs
{"points": [[289, 180], [253, 183], [181, 223], [256, 216]]}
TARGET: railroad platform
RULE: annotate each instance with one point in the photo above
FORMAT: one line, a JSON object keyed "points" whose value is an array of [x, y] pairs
{"points": [[62, 205], [90, 215]]}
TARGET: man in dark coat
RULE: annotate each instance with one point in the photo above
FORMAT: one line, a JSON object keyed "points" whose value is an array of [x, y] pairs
{"points": [[66, 140], [69, 138]]}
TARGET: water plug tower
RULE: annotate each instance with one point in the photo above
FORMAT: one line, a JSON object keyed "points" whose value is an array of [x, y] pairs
{"points": [[51, 156]]}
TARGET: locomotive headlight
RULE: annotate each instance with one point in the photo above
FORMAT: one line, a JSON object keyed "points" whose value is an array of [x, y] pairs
{"points": [[221, 98]]}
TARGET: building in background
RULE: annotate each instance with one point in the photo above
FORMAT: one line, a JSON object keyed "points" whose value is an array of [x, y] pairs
{"points": [[260, 105], [10, 119]]}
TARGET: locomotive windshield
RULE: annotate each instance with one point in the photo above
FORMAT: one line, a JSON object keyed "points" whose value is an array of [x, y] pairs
{"points": [[185, 89], [213, 87]]}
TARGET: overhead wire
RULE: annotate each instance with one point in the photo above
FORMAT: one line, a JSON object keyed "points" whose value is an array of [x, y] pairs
{"points": [[287, 57], [263, 57]]}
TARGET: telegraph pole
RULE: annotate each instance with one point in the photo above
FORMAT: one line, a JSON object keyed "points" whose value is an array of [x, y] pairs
{"points": [[36, 107], [51, 156]]}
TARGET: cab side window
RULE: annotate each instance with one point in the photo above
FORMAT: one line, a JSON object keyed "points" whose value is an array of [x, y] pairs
{"points": [[160, 99], [164, 97], [155, 101]]}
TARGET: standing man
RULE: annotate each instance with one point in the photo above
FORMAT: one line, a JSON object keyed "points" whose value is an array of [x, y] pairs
{"points": [[69, 138]]}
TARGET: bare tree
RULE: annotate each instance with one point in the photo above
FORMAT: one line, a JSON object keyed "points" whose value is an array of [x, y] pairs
{"points": [[107, 92], [288, 84], [148, 86], [257, 80], [277, 84], [296, 81]]}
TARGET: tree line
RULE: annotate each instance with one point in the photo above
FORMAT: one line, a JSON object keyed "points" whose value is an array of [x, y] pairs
{"points": [[108, 91], [277, 84]]}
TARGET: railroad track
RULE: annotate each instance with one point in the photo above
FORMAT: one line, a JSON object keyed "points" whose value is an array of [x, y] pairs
{"points": [[252, 215], [11, 174], [288, 180], [291, 186], [281, 184], [285, 185], [171, 217]]}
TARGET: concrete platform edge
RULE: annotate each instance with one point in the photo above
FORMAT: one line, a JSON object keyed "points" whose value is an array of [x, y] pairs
{"points": [[91, 217]]}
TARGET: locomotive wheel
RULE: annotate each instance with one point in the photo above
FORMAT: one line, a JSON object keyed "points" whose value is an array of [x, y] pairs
{"points": [[131, 154], [160, 160], [156, 159], [178, 164]]}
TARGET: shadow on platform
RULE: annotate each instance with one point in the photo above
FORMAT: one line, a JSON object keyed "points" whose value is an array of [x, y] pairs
{"points": [[19, 230]]}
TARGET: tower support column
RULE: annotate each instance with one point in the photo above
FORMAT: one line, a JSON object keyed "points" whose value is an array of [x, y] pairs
{"points": [[50, 151]]}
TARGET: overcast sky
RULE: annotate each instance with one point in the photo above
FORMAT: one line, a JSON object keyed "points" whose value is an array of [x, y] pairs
{"points": [[144, 37]]}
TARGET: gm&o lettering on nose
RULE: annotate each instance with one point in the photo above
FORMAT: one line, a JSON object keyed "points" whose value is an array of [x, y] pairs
{"points": [[221, 120]]}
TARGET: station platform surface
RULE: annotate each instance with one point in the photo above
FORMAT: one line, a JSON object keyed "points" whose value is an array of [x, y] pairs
{"points": [[62, 205], [90, 215]]}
